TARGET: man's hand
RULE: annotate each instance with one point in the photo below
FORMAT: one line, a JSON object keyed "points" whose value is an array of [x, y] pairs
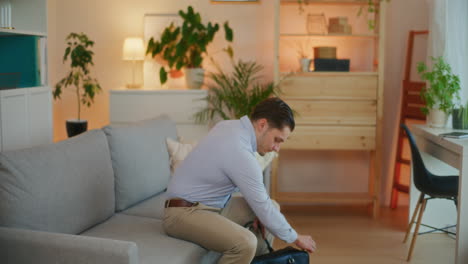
{"points": [[306, 243]]}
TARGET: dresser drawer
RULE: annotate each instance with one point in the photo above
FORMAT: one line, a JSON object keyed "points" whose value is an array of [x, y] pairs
{"points": [[332, 137], [334, 112], [344, 86]]}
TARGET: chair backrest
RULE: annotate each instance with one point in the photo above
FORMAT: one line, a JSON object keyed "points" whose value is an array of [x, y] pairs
{"points": [[421, 176]]}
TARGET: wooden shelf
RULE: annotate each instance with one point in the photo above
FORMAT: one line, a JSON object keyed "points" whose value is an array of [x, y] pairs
{"points": [[10, 32], [330, 35], [341, 198], [311, 74], [325, 2], [328, 98]]}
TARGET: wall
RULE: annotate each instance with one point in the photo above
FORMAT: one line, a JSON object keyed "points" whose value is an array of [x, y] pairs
{"points": [[109, 22], [402, 16]]}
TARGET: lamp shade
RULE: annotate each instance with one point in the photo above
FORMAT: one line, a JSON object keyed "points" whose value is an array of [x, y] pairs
{"points": [[133, 49]]}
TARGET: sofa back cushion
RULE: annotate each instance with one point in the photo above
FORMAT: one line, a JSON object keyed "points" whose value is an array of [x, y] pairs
{"points": [[140, 159], [64, 187]]}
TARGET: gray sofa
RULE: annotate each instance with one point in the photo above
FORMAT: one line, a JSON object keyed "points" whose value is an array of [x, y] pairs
{"points": [[94, 198]]}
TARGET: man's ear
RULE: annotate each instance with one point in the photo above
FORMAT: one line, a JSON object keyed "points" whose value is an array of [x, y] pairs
{"points": [[262, 124]]}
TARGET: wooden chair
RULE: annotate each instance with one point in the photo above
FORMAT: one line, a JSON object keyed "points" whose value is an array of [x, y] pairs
{"points": [[411, 104]]}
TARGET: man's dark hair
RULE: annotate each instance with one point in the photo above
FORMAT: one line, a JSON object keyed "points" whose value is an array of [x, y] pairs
{"points": [[276, 112]]}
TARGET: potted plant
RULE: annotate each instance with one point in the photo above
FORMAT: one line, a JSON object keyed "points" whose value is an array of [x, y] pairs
{"points": [[443, 89], [81, 59], [186, 46], [303, 49], [460, 117], [231, 96]]}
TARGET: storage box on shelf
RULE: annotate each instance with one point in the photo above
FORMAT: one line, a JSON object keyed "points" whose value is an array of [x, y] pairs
{"points": [[337, 110]]}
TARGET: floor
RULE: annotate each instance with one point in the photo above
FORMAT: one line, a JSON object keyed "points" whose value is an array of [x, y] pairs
{"points": [[350, 235]]}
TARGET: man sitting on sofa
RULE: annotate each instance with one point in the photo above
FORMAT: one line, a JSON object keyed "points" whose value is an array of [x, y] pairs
{"points": [[222, 163]]}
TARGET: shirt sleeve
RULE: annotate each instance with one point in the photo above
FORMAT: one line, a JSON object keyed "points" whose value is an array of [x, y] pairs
{"points": [[245, 172]]}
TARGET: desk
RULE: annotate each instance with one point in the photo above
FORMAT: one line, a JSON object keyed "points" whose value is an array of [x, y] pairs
{"points": [[455, 153]]}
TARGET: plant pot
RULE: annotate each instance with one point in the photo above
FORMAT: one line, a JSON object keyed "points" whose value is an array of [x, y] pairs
{"points": [[194, 77], [305, 64], [459, 120], [437, 118], [176, 74], [76, 127]]}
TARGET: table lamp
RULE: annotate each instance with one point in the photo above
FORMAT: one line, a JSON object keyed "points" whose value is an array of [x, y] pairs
{"points": [[133, 50]]}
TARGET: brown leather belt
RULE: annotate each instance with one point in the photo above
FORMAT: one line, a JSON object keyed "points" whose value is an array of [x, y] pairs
{"points": [[177, 202]]}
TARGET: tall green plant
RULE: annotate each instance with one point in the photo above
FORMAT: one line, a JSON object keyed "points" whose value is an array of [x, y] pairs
{"points": [[81, 59], [185, 46], [444, 86], [234, 95]]}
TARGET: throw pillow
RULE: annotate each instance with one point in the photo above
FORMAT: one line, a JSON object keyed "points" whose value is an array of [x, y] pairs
{"points": [[178, 151], [266, 159]]}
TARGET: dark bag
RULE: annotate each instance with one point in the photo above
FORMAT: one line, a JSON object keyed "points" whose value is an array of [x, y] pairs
{"points": [[287, 255]]}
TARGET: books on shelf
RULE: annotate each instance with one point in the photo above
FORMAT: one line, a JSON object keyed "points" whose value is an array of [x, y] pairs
{"points": [[455, 134]]}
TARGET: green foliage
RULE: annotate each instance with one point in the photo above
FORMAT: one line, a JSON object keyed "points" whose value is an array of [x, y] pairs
{"points": [[185, 46], [461, 115], [234, 95], [81, 58], [444, 86]]}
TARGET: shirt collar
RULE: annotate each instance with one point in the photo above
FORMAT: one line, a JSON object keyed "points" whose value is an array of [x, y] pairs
{"points": [[245, 121]]}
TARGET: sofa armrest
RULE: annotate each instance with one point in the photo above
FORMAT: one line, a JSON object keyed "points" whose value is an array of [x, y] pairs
{"points": [[25, 246]]}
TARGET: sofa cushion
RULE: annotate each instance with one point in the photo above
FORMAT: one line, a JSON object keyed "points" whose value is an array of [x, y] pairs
{"points": [[140, 158], [154, 246], [64, 187], [152, 207]]}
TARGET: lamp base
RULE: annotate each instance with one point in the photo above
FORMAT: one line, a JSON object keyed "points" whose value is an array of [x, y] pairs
{"points": [[133, 86]]}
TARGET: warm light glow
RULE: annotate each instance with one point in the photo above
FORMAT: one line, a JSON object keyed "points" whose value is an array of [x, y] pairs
{"points": [[133, 49]]}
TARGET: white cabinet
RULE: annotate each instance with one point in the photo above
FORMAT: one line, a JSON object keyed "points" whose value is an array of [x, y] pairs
{"points": [[25, 96], [25, 117], [180, 105], [14, 112], [39, 115]]}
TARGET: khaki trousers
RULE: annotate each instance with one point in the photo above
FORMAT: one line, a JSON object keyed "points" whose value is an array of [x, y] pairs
{"points": [[218, 230]]}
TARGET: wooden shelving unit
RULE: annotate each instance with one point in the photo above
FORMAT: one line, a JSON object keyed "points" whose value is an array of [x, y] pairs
{"points": [[337, 110]]}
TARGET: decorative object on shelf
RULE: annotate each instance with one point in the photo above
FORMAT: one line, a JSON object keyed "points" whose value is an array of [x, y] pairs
{"points": [[231, 96], [325, 52], [334, 65], [316, 24], [325, 60], [81, 59], [5, 15], [305, 64], [443, 89], [235, 1], [303, 48], [339, 25], [185, 46], [371, 7], [133, 50], [460, 117]]}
